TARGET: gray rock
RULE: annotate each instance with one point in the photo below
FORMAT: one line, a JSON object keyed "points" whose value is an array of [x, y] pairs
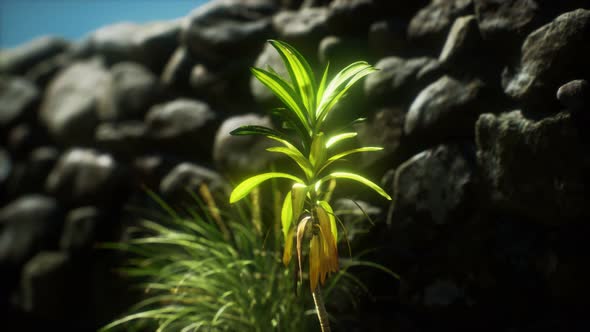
{"points": [[341, 51], [504, 24], [442, 293], [176, 73], [47, 286], [361, 12], [5, 168], [80, 230], [29, 176], [150, 44], [429, 27], [17, 100], [85, 176], [552, 55], [397, 80], [242, 154], [184, 126], [43, 72], [219, 30], [463, 44], [125, 139], [20, 59], [303, 28], [434, 187], [388, 37], [212, 83], [269, 57], [188, 176], [28, 224], [129, 94], [445, 109], [575, 95], [383, 128], [537, 169], [69, 108]]}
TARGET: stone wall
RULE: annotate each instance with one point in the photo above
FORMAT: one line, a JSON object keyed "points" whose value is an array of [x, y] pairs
{"points": [[482, 107]]}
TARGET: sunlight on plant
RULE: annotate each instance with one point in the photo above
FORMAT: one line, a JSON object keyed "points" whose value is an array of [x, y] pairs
{"points": [[307, 217]]}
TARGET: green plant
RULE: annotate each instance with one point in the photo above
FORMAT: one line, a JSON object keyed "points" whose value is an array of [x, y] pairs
{"points": [[306, 212], [209, 268]]}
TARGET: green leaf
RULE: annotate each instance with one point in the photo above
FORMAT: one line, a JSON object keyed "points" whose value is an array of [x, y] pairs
{"points": [[322, 86], [298, 194], [247, 185], [337, 138], [292, 120], [358, 178], [301, 74], [284, 92], [266, 132], [297, 157], [318, 152], [339, 85], [346, 153], [287, 214]]}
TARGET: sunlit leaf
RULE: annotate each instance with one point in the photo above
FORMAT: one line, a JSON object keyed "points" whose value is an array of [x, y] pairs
{"points": [[358, 178], [337, 138], [330, 212], [284, 92], [296, 155], [301, 74], [298, 194], [287, 214], [247, 185], [301, 228]]}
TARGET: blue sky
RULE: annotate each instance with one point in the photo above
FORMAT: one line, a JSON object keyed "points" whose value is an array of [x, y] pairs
{"points": [[23, 20]]}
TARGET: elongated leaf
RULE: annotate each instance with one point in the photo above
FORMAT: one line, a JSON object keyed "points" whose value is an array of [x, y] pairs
{"points": [[288, 252], [322, 86], [298, 194], [247, 185], [318, 152], [339, 85], [297, 157], [284, 92], [292, 120], [333, 227], [347, 153], [301, 74], [266, 132], [314, 262], [337, 138], [301, 228], [344, 89], [358, 178], [287, 214]]}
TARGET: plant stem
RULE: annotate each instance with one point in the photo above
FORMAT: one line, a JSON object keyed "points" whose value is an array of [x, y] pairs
{"points": [[321, 309]]}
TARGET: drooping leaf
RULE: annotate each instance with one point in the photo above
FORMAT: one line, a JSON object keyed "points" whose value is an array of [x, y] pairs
{"points": [[347, 153], [358, 178], [284, 92], [340, 137], [288, 252], [247, 185], [297, 157], [301, 74], [314, 262], [330, 212], [301, 228]]}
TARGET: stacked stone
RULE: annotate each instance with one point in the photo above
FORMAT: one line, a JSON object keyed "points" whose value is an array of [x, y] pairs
{"points": [[481, 106]]}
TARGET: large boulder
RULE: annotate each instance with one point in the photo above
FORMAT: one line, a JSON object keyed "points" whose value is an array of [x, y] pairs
{"points": [[184, 126], [124, 139], [176, 73], [398, 80], [18, 97], [29, 176], [130, 92], [219, 30], [429, 27], [575, 95], [303, 28], [27, 225], [446, 109], [552, 55], [19, 60], [69, 108], [242, 154], [150, 44], [537, 169], [464, 51], [190, 177], [85, 176]]}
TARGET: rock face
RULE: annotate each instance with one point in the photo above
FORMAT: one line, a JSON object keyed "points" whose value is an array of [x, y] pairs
{"points": [[558, 194], [551, 55], [70, 104], [481, 106]]}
